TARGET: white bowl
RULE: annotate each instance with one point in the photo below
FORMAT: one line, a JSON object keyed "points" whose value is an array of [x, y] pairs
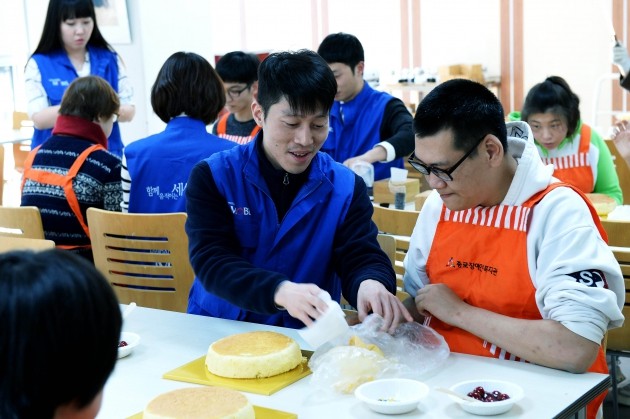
{"points": [[392, 396], [132, 340], [487, 408]]}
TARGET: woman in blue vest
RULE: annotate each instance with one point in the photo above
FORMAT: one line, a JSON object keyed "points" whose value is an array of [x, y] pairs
{"points": [[187, 95], [72, 46]]}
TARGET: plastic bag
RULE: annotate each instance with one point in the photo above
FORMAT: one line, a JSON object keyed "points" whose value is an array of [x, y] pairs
{"points": [[365, 353]]}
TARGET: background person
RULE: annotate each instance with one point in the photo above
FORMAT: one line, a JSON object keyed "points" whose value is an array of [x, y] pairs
{"points": [[60, 324], [505, 261], [239, 72], [365, 124], [274, 222], [72, 46], [579, 154], [187, 95], [72, 171]]}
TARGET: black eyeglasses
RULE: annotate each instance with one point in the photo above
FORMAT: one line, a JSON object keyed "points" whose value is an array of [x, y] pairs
{"points": [[234, 92], [442, 174]]}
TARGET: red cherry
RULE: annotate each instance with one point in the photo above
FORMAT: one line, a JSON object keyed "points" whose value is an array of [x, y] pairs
{"points": [[122, 343]]}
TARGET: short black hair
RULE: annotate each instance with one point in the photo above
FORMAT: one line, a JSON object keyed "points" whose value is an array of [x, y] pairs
{"points": [[342, 48], [302, 77], [238, 67], [553, 96], [188, 84], [467, 108], [60, 323]]}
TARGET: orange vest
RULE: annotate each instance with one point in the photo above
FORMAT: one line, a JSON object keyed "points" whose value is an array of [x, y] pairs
{"points": [[481, 254], [63, 181], [222, 128], [575, 169]]}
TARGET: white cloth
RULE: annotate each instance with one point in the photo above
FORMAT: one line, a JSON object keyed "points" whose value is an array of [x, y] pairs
{"points": [[562, 239]]}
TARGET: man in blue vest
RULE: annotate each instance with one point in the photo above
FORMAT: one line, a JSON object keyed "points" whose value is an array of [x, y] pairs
{"points": [[273, 223], [365, 124]]}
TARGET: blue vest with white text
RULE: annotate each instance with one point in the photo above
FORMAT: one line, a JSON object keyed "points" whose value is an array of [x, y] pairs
{"points": [[58, 72], [298, 246], [355, 128], [159, 165]]}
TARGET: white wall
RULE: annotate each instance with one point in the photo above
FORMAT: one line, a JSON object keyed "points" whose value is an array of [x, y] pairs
{"points": [[570, 38]]}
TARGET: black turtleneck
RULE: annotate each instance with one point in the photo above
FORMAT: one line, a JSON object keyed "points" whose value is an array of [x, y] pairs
{"points": [[282, 185]]}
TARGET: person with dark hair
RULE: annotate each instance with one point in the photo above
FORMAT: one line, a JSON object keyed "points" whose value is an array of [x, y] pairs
{"points": [[578, 153], [60, 323], [72, 171], [505, 261], [273, 223], [365, 124], [187, 95], [239, 72], [72, 46]]}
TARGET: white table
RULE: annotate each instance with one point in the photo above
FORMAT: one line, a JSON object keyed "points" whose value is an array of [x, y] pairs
{"points": [[169, 340], [15, 136]]}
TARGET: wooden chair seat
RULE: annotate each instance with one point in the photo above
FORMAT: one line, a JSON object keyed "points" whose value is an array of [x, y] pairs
{"points": [[20, 243], [143, 256]]}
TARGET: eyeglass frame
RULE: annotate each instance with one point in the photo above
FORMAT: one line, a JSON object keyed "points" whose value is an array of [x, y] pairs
{"points": [[422, 168], [234, 94]]}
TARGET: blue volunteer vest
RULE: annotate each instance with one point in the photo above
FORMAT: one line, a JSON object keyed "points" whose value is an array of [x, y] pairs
{"points": [[57, 74], [299, 246], [358, 131], [159, 165]]}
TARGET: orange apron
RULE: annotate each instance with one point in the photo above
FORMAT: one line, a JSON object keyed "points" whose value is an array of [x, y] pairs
{"points": [[576, 168], [481, 254], [222, 128], [63, 181]]}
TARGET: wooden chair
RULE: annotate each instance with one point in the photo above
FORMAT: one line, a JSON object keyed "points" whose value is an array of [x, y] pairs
{"points": [[21, 243], [618, 340], [623, 171], [143, 256], [24, 222], [21, 149], [618, 232], [400, 224]]}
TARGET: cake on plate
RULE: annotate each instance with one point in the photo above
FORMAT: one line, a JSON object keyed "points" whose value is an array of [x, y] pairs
{"points": [[200, 403], [253, 355]]}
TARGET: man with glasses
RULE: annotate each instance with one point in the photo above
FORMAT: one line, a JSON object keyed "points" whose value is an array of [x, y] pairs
{"points": [[239, 72], [505, 261]]}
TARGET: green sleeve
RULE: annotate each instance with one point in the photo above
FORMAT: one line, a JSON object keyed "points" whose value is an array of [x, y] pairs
{"points": [[607, 180]]}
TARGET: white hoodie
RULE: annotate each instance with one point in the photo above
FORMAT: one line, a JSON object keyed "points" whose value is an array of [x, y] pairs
{"points": [[562, 239]]}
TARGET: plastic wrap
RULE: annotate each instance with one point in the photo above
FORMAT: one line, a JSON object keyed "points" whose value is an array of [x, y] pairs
{"points": [[366, 353]]}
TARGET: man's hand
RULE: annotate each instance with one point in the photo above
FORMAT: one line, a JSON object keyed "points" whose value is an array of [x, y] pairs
{"points": [[301, 301], [440, 301], [621, 137], [373, 296], [621, 59]]}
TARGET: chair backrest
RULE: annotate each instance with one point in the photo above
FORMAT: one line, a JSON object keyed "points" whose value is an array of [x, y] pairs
{"points": [[25, 222], [623, 171], [618, 232], [21, 243], [400, 224], [619, 339], [143, 256]]}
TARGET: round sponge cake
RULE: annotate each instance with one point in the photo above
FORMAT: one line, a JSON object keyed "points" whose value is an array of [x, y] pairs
{"points": [[200, 403], [253, 355]]}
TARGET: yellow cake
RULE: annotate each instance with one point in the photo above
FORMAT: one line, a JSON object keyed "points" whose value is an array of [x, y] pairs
{"points": [[253, 355], [200, 403]]}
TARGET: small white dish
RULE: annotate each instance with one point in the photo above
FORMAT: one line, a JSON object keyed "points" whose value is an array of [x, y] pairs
{"points": [[487, 408], [132, 340], [392, 396]]}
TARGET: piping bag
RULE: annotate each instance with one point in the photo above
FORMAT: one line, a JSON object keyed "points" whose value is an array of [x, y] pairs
{"points": [[330, 325]]}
